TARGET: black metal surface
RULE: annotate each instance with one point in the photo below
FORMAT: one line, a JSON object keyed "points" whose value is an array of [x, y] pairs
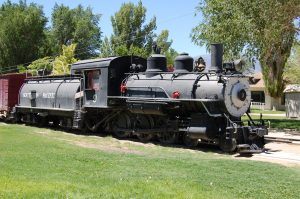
{"points": [[216, 57], [112, 71], [156, 63], [183, 63]]}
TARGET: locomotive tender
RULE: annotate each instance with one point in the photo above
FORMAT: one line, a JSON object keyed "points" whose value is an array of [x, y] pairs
{"points": [[129, 96]]}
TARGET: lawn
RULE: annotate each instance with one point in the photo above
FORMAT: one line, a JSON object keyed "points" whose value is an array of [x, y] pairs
{"points": [[266, 111], [42, 163], [277, 122]]}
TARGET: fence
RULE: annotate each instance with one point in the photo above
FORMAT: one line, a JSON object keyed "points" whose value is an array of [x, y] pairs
{"points": [[257, 105]]}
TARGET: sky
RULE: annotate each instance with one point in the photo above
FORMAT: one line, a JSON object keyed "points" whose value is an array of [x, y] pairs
{"points": [[177, 16]]}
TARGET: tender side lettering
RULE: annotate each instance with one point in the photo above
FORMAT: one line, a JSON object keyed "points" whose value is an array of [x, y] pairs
{"points": [[44, 95]]}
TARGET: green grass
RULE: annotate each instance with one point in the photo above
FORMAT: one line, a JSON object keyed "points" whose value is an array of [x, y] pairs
{"points": [[266, 111], [41, 163], [278, 122], [285, 124]]}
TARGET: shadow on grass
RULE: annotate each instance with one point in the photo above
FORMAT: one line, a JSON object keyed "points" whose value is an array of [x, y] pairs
{"points": [[202, 146], [244, 155]]}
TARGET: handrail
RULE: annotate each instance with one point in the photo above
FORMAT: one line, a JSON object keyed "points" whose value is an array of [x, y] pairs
{"points": [[62, 77], [197, 73]]}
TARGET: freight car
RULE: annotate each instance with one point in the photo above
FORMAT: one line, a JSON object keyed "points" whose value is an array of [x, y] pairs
{"points": [[131, 96], [10, 85]]}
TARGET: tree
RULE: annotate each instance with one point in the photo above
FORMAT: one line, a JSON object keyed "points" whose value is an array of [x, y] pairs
{"points": [[47, 65], [106, 48], [292, 72], [43, 65], [78, 25], [130, 32], [21, 33], [171, 54], [262, 28], [62, 63], [164, 43]]}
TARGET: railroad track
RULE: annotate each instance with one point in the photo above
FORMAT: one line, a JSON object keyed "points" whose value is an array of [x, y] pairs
{"points": [[288, 131], [284, 140], [283, 137]]}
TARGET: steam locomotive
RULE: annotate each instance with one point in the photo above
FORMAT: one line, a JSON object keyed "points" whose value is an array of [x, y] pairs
{"points": [[131, 96]]}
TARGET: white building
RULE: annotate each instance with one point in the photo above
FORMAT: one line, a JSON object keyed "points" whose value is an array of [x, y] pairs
{"points": [[292, 101], [260, 97]]}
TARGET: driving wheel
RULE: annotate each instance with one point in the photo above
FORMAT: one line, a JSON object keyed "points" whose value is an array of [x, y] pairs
{"points": [[144, 122], [121, 124], [168, 138], [189, 142]]}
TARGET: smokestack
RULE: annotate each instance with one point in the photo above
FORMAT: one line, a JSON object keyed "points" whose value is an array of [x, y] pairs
{"points": [[216, 57]]}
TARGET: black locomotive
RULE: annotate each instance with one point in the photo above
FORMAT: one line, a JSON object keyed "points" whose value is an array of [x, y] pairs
{"points": [[131, 96]]}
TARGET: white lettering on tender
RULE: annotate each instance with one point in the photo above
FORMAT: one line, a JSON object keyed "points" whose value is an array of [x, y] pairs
{"points": [[27, 95], [49, 95], [44, 95]]}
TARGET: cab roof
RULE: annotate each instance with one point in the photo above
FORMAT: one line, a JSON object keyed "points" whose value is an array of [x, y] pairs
{"points": [[103, 62]]}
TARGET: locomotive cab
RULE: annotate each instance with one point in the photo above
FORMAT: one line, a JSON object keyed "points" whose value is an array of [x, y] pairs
{"points": [[102, 78], [93, 87]]}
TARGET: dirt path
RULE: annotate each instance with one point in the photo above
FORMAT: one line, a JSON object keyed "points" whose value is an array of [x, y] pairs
{"points": [[3, 124], [107, 148], [281, 153], [287, 154]]}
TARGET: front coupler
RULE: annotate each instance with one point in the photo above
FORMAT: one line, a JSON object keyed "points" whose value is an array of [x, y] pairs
{"points": [[246, 139]]}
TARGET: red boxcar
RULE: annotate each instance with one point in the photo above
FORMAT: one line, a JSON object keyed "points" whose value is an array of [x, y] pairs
{"points": [[10, 85]]}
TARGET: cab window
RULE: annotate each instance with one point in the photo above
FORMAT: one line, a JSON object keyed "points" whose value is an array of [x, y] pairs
{"points": [[92, 79]]}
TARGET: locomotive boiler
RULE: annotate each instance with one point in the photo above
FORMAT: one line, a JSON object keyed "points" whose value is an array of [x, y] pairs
{"points": [[198, 106]]}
